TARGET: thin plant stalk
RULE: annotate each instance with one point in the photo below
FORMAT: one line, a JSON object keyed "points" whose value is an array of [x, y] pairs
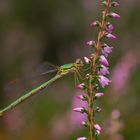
{"points": [[90, 108]]}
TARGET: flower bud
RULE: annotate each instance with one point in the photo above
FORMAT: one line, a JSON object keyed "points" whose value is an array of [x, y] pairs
{"points": [[109, 28], [104, 60], [79, 109], [84, 123], [82, 138], [115, 4], [104, 3], [95, 24], [81, 86], [96, 87], [98, 95], [90, 43], [87, 76], [97, 127], [98, 109], [82, 97], [110, 36], [87, 60], [114, 15]]}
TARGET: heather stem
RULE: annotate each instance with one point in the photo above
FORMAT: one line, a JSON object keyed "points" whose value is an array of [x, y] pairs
{"points": [[90, 108]]}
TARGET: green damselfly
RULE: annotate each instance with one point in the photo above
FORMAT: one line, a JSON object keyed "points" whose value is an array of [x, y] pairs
{"points": [[61, 71]]}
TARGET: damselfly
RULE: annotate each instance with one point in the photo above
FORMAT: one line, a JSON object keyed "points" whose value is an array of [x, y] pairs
{"points": [[61, 71]]}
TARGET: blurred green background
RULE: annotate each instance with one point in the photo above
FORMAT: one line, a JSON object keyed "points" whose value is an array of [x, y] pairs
{"points": [[36, 31]]}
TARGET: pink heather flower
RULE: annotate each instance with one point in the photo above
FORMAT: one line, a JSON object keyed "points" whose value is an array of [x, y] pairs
{"points": [[114, 15], [104, 60], [98, 95], [106, 50], [70, 118], [115, 4], [103, 81], [81, 86], [81, 97], [110, 36], [95, 23], [97, 127], [90, 43], [87, 60], [79, 109], [82, 138], [79, 117], [103, 70], [110, 28], [83, 123]]}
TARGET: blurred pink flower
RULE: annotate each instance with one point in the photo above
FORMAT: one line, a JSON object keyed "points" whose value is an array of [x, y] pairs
{"points": [[14, 121], [77, 118], [71, 121], [113, 126], [122, 73]]}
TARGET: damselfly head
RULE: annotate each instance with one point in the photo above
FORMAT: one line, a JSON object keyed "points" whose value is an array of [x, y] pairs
{"points": [[79, 63]]}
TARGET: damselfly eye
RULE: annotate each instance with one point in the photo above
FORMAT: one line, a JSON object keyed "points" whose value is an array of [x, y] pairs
{"points": [[79, 61]]}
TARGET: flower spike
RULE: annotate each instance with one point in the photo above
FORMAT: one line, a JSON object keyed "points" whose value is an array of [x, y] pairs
{"points": [[96, 69]]}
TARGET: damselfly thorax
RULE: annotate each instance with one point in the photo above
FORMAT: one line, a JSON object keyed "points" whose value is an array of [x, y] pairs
{"points": [[71, 67]]}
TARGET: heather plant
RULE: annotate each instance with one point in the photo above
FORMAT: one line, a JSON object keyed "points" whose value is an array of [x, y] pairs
{"points": [[90, 73], [98, 66]]}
